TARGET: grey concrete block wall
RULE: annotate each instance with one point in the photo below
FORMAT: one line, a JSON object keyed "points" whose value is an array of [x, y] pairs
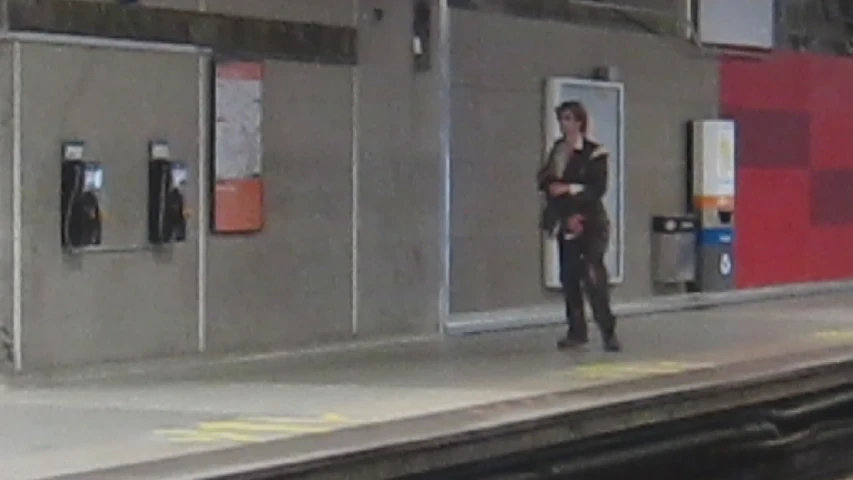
{"points": [[400, 179], [297, 274], [499, 67], [99, 307], [291, 283]]}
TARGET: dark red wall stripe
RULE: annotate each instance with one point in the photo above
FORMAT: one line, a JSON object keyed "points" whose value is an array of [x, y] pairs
{"points": [[829, 253], [832, 198], [771, 138]]}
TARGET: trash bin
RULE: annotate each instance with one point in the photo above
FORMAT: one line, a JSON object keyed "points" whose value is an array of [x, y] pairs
{"points": [[673, 249]]}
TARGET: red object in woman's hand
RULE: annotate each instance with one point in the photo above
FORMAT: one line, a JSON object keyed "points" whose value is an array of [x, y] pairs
{"points": [[575, 224]]}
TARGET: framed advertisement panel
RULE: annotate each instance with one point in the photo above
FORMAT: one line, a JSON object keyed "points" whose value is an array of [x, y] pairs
{"points": [[605, 102]]}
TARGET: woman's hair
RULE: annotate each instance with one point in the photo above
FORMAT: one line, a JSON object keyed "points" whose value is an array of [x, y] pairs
{"points": [[578, 112]]}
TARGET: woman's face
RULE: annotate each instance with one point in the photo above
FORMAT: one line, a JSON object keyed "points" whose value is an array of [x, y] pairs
{"points": [[569, 125]]}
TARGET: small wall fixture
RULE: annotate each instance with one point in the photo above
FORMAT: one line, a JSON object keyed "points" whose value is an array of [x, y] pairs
{"points": [[608, 73], [421, 33]]}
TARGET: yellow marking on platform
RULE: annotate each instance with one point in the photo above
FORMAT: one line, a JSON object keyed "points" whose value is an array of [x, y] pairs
{"points": [[329, 418], [253, 429], [836, 335], [334, 417], [261, 427], [197, 436], [636, 369]]}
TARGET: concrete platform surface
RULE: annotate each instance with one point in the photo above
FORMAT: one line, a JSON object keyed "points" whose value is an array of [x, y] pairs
{"points": [[57, 429]]}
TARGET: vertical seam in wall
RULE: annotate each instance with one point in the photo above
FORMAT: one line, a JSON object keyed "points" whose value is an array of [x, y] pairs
{"points": [[355, 160], [203, 125], [444, 145], [620, 193], [17, 210], [202, 186]]}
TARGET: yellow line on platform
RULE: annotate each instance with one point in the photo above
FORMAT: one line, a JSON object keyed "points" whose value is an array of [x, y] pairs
{"points": [[329, 418], [619, 369], [261, 427], [196, 436], [253, 429], [835, 335]]}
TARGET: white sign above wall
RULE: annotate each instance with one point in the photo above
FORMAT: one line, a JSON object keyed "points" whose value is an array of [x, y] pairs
{"points": [[736, 23]]}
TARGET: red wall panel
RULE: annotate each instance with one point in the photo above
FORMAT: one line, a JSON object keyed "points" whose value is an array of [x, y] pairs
{"points": [[831, 138], [830, 84], [792, 216], [772, 226], [780, 83], [832, 198], [830, 253]]}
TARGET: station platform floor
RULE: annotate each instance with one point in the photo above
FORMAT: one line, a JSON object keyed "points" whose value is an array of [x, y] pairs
{"points": [[53, 429]]}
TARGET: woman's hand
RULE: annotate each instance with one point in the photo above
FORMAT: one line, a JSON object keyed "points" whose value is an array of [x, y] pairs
{"points": [[559, 188]]}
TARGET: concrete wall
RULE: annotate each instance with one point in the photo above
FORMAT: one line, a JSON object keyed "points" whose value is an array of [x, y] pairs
{"points": [[499, 65], [100, 307], [296, 277], [400, 178], [298, 273], [288, 286]]}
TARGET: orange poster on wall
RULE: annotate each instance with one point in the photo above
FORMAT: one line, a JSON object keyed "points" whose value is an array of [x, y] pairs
{"points": [[239, 206]]}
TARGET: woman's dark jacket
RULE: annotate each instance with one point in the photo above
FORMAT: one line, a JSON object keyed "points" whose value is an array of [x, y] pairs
{"points": [[586, 167]]}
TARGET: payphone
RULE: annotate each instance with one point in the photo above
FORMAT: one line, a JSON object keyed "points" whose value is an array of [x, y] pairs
{"points": [[81, 185], [714, 165], [167, 222]]}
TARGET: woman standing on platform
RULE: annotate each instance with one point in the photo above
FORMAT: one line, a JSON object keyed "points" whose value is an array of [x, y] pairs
{"points": [[574, 179]]}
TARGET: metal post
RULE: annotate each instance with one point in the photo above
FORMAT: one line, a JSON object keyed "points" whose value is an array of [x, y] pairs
{"points": [[444, 119], [355, 133], [17, 210]]}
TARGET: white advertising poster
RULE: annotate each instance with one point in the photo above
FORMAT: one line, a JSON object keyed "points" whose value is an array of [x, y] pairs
{"points": [[605, 103], [238, 112], [726, 151], [714, 152]]}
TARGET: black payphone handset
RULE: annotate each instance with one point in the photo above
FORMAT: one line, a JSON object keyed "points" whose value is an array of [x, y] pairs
{"points": [[81, 211], [167, 221]]}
